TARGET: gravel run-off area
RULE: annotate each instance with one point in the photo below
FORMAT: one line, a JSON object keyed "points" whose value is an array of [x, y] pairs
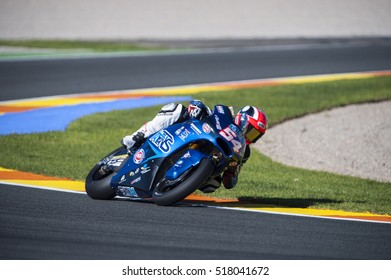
{"points": [[354, 140]]}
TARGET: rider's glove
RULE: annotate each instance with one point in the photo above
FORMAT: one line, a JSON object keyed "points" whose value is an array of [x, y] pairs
{"points": [[128, 142], [139, 138], [135, 140]]}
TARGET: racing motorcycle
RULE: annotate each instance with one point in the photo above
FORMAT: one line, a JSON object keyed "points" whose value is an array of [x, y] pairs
{"points": [[172, 163]]}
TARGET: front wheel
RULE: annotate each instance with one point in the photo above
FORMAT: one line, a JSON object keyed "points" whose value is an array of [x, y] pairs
{"points": [[195, 179], [98, 186]]}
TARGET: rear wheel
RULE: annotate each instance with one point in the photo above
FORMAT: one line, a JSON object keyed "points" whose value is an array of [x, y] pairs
{"points": [[166, 195]]}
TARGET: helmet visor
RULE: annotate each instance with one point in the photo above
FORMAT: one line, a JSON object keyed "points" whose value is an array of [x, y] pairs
{"points": [[252, 134]]}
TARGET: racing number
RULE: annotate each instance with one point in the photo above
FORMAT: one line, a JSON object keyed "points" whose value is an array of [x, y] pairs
{"points": [[230, 136]]}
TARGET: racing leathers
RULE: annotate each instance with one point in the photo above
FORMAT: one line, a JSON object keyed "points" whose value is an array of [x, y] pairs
{"points": [[168, 115], [176, 113]]}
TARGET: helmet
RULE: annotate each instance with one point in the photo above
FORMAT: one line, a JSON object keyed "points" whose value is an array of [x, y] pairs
{"points": [[198, 110], [253, 123]]}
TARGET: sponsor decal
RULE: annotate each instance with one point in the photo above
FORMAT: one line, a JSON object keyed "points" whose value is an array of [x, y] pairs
{"points": [[127, 191], [132, 173], [163, 140], [179, 163], [123, 178], [220, 109], [218, 125], [195, 128], [206, 128], [138, 179], [139, 156], [117, 160], [184, 134], [179, 130], [121, 156], [133, 192], [145, 169]]}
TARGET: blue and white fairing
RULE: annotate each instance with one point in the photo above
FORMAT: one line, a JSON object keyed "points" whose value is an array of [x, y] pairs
{"points": [[173, 151]]}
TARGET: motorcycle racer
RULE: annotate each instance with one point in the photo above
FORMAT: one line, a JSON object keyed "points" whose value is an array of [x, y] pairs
{"points": [[251, 120]]}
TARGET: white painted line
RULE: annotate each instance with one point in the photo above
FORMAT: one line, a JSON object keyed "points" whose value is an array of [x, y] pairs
{"points": [[188, 86], [40, 187], [289, 214]]}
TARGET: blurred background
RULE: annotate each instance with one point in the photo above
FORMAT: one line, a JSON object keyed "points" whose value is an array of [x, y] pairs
{"points": [[179, 21]]}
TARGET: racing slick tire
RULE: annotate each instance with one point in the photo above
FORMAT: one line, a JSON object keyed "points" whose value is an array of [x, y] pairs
{"points": [[193, 181], [98, 186]]}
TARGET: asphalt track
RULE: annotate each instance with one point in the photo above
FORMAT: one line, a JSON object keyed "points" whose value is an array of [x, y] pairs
{"points": [[43, 224], [34, 78], [47, 224]]}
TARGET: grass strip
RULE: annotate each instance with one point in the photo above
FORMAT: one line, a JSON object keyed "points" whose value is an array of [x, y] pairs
{"points": [[96, 46], [72, 153]]}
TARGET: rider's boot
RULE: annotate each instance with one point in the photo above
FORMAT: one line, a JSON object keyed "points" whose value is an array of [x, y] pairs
{"points": [[230, 177], [212, 185]]}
